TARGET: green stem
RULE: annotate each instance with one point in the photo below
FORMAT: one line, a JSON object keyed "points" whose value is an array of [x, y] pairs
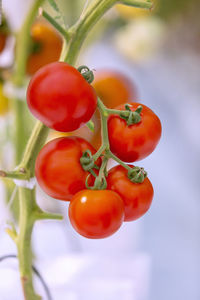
{"points": [[51, 20], [104, 112], [27, 205], [140, 4], [109, 154], [21, 134], [80, 30], [14, 175], [23, 44], [33, 147]]}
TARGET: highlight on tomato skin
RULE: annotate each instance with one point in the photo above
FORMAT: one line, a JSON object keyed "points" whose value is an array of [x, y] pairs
{"points": [[137, 141], [137, 197], [47, 46], [58, 169], [60, 97], [96, 214]]}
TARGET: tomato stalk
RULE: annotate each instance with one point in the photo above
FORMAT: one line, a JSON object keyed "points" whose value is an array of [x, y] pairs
{"points": [[51, 20], [135, 174]]}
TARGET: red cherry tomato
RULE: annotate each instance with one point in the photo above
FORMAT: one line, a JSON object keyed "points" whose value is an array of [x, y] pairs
{"points": [[137, 197], [58, 169], [96, 213], [136, 141], [60, 97]]}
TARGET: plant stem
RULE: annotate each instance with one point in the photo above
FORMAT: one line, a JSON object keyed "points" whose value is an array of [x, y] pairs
{"points": [[139, 4], [27, 205], [80, 30], [33, 147], [29, 211], [23, 44], [62, 31]]}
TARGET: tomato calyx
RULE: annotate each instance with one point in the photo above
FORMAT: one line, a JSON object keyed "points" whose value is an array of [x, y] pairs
{"points": [[36, 47], [131, 117], [100, 182], [137, 174], [86, 73], [87, 161]]}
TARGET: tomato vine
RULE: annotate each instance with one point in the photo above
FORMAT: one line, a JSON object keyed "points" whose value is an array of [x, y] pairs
{"points": [[30, 212]]}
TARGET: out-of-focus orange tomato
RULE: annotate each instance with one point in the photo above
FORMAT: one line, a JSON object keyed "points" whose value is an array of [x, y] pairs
{"points": [[47, 46], [113, 88], [128, 12], [4, 102]]}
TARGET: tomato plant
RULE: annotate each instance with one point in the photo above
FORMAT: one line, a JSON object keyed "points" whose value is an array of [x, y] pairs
{"points": [[46, 46], [96, 214], [60, 97], [58, 169], [136, 141], [137, 197]]}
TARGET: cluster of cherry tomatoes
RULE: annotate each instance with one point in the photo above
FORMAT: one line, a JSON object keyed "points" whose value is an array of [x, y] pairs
{"points": [[60, 97]]}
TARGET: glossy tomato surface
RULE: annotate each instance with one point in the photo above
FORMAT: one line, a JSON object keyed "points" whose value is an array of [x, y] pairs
{"points": [[136, 141], [96, 213], [137, 197], [48, 46], [60, 97], [58, 169]]}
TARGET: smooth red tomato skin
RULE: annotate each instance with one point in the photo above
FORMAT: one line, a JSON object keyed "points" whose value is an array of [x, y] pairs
{"points": [[137, 197], [58, 169], [96, 214], [134, 142], [60, 97]]}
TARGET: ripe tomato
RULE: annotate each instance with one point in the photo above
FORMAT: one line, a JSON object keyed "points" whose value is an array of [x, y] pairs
{"points": [[96, 214], [136, 141], [137, 197], [58, 169], [48, 46], [60, 97], [4, 102]]}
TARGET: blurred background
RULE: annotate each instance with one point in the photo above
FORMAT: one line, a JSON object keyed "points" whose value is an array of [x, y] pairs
{"points": [[156, 58]]}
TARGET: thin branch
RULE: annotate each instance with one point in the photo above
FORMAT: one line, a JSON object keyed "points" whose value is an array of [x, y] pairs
{"points": [[139, 4]]}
